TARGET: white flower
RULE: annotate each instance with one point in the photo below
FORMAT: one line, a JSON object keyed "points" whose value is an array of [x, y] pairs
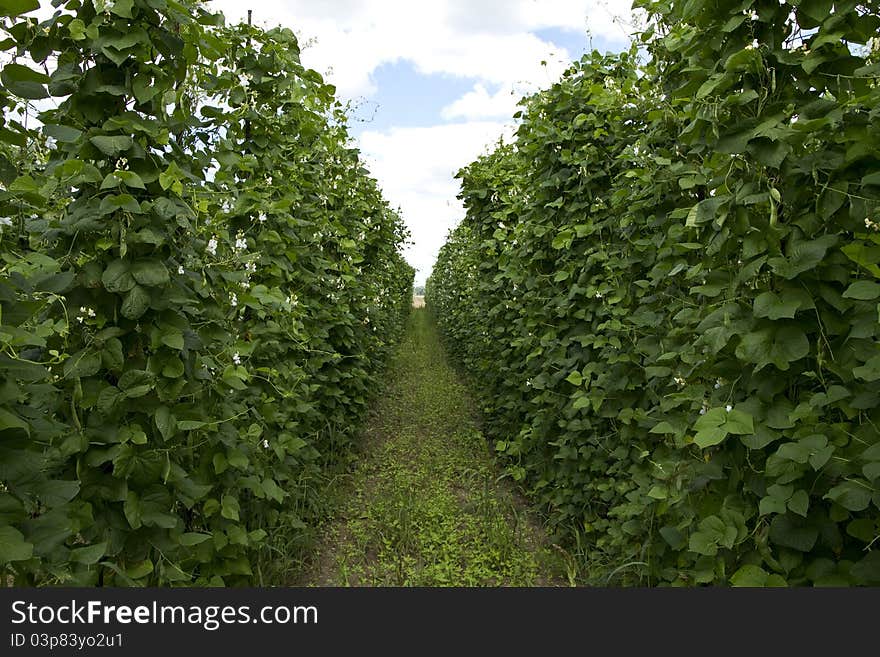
{"points": [[236, 358], [91, 313], [598, 294], [5, 221], [240, 242], [529, 383], [717, 384], [262, 218], [234, 300], [212, 245], [703, 411], [246, 285], [180, 270], [678, 380], [265, 444], [728, 408]]}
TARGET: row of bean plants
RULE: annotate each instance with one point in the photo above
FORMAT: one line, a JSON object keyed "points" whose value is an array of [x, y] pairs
{"points": [[201, 285], [667, 287]]}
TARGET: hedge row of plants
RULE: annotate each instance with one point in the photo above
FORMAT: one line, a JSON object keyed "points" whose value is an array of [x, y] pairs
{"points": [[200, 288], [667, 288]]}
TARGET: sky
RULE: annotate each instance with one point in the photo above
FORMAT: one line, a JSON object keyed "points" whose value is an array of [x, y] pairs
{"points": [[434, 83]]}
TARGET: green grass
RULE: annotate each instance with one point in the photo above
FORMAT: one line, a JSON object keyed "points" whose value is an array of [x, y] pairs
{"points": [[424, 506]]}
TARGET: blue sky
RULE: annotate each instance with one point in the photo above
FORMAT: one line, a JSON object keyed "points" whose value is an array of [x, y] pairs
{"points": [[434, 84]]}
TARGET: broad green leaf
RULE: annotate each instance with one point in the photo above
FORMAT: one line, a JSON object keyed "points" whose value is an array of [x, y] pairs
{"points": [[62, 133], [86, 362], [709, 437], [116, 202], [165, 422], [24, 82], [772, 306], [777, 346], [17, 7], [89, 555], [122, 8], [12, 423], [851, 495], [229, 507], [793, 532], [739, 422], [112, 144], [870, 371], [118, 277], [749, 576], [863, 290], [140, 570], [193, 538], [150, 273], [13, 547], [802, 256], [575, 378], [136, 383], [135, 303]]}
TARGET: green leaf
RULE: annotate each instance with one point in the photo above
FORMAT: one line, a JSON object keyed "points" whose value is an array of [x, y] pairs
{"points": [[62, 133], [705, 211], [24, 82], [793, 532], [739, 423], [575, 378], [772, 306], [193, 538], [118, 277], [777, 346], [135, 303], [140, 570], [749, 576], [709, 437], [173, 338], [190, 425], [89, 555], [112, 145], [851, 495], [229, 507], [863, 291], [150, 273], [237, 459], [563, 239], [116, 202], [658, 493], [122, 8], [802, 256], [86, 362], [13, 547], [273, 490], [165, 422], [800, 503], [12, 423], [662, 427], [111, 355], [870, 371], [14, 8], [136, 383], [132, 510]]}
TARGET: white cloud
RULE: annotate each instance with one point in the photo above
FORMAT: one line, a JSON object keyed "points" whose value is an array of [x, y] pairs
{"points": [[491, 42], [480, 104], [415, 167]]}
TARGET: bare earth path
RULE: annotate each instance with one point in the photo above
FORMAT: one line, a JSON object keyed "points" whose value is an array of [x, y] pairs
{"points": [[424, 506]]}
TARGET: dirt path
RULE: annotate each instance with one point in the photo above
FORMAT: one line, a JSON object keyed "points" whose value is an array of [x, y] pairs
{"points": [[424, 506]]}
